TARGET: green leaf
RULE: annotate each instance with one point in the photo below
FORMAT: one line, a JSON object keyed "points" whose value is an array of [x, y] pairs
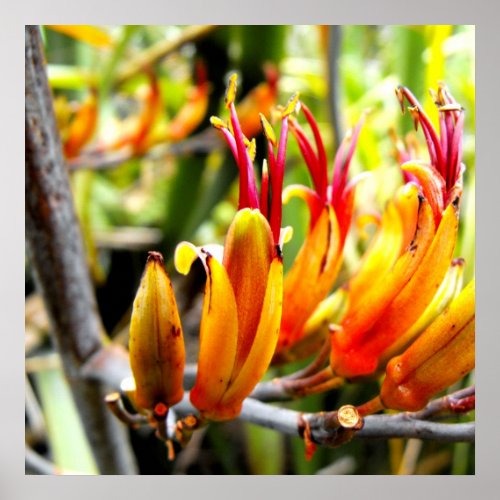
{"points": [[68, 443]]}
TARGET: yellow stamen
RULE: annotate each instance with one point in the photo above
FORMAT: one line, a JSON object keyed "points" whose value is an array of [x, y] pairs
{"points": [[217, 122], [268, 129], [231, 90], [291, 106]]}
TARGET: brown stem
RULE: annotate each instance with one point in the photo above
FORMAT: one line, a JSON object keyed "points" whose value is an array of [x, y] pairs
{"points": [[329, 385], [298, 385], [461, 401], [56, 253], [373, 406], [315, 365], [115, 404], [206, 141]]}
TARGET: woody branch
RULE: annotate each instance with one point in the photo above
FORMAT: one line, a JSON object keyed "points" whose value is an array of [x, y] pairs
{"points": [[56, 253]]}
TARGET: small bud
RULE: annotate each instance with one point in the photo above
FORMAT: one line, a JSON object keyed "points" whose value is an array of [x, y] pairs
{"points": [[156, 343]]}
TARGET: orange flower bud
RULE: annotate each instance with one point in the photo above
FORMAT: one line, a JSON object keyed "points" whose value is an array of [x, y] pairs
{"points": [[156, 342]]}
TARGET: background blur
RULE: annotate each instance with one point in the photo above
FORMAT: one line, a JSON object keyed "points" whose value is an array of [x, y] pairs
{"points": [[151, 172]]}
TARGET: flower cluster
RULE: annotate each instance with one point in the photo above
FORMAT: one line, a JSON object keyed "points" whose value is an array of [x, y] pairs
{"points": [[402, 313]]}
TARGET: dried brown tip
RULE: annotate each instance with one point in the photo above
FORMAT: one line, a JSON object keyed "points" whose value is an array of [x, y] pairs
{"points": [[400, 96], [415, 114], [155, 257]]}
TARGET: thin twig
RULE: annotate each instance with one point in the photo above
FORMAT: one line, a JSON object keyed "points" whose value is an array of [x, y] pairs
{"points": [[317, 363], [56, 253], [163, 48], [206, 141], [300, 386], [461, 401]]}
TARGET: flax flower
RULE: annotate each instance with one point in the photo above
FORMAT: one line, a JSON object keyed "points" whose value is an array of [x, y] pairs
{"points": [[316, 266], [411, 253], [243, 293], [441, 356]]}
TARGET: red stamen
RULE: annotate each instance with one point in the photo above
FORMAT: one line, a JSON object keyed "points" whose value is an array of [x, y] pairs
{"points": [[309, 156], [231, 143], [442, 132], [341, 167], [323, 165], [277, 174], [430, 133], [448, 118], [346, 206], [338, 165], [455, 156], [248, 188], [264, 187]]}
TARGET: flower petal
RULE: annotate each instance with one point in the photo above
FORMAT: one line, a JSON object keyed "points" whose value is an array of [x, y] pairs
{"points": [[441, 356], [248, 252], [345, 343], [82, 127], [311, 276], [218, 329], [447, 292], [386, 246], [313, 200], [416, 295], [432, 183], [262, 349], [329, 312], [407, 203]]}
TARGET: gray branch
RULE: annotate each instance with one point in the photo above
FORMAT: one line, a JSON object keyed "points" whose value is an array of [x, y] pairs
{"points": [[375, 426], [56, 253], [111, 365], [405, 426]]}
